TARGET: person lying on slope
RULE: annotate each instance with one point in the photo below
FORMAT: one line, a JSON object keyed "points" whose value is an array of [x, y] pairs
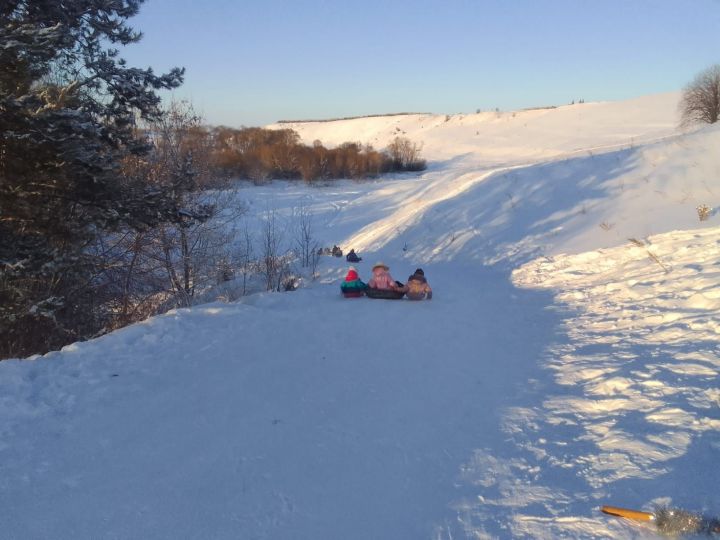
{"points": [[353, 257], [353, 286], [417, 286], [381, 279]]}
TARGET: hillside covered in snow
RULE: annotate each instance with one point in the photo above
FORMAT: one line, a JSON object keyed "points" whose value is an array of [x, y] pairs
{"points": [[568, 359], [509, 137]]}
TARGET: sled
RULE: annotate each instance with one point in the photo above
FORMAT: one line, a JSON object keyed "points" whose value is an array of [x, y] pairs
{"points": [[353, 289], [669, 521], [418, 298], [635, 515], [385, 294]]}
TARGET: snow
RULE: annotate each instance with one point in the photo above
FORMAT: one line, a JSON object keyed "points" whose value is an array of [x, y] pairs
{"points": [[509, 137], [568, 359]]}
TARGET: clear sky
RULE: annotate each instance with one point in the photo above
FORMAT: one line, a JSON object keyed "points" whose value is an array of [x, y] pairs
{"points": [[252, 62]]}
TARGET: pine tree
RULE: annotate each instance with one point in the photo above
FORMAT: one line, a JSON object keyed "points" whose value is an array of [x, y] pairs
{"points": [[68, 110]]}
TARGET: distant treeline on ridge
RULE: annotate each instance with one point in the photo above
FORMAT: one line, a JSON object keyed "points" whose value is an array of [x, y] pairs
{"points": [[260, 154]]}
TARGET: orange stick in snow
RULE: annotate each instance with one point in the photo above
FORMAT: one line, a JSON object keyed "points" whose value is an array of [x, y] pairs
{"points": [[637, 515]]}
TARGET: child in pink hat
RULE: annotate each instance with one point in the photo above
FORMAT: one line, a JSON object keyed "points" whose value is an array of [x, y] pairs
{"points": [[381, 278]]}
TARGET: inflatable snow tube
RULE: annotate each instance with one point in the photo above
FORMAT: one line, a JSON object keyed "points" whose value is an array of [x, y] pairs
{"points": [[385, 294], [353, 289]]}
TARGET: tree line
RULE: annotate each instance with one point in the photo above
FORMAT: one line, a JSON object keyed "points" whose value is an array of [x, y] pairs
{"points": [[259, 154]]}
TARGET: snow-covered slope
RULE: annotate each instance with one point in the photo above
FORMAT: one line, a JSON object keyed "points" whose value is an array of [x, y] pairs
{"points": [[486, 213], [509, 137], [559, 366]]}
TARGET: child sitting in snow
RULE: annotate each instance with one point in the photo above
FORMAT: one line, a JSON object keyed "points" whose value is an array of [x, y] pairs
{"points": [[417, 286], [381, 279], [352, 257], [353, 286]]}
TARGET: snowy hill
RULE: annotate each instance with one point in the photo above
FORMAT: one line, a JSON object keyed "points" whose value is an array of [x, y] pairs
{"points": [[560, 365], [509, 137]]}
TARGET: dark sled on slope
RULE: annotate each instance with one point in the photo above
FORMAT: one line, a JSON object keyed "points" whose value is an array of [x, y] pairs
{"points": [[384, 294]]}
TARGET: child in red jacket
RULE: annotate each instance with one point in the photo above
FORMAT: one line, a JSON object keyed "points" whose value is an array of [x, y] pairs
{"points": [[353, 286]]}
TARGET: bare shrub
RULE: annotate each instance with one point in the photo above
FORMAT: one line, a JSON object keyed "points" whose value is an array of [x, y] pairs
{"points": [[193, 238], [305, 241], [703, 212], [405, 155], [167, 265], [700, 101], [274, 260], [245, 260]]}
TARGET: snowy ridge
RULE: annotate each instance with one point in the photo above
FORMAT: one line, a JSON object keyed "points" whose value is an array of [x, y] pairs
{"points": [[509, 137], [568, 359]]}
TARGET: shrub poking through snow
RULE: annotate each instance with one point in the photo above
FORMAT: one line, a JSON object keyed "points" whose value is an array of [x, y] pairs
{"points": [[703, 212]]}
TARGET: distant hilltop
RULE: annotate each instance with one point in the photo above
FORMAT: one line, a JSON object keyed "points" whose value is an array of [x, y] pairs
{"points": [[351, 117], [503, 137], [311, 120]]}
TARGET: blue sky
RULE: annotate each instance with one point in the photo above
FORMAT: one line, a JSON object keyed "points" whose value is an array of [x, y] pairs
{"points": [[254, 62]]}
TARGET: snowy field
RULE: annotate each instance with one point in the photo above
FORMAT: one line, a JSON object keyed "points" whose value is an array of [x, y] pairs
{"points": [[569, 357]]}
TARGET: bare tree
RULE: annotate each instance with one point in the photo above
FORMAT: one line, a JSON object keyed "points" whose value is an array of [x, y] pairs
{"points": [[168, 264], [701, 98], [177, 168], [405, 154], [141, 278], [272, 261], [305, 240], [245, 259], [315, 262], [212, 242]]}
